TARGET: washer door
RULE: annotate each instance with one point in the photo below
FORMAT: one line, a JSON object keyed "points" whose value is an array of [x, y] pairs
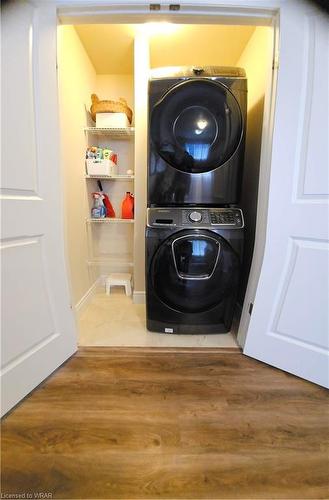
{"points": [[193, 270], [196, 126]]}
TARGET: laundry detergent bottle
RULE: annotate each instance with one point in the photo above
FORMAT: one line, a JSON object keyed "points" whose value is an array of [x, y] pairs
{"points": [[98, 210], [127, 206]]}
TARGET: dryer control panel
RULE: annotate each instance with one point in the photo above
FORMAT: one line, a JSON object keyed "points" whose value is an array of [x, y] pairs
{"points": [[230, 218]]}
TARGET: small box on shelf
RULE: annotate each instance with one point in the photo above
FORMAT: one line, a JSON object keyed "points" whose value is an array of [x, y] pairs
{"points": [[112, 120]]}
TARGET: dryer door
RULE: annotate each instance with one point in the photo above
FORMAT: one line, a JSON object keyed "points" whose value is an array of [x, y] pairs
{"points": [[194, 270], [196, 126]]}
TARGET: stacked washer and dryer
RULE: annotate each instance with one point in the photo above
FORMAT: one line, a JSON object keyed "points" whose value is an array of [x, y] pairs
{"points": [[194, 232]]}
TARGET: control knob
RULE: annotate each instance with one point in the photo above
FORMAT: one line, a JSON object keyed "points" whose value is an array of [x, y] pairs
{"points": [[195, 216]]}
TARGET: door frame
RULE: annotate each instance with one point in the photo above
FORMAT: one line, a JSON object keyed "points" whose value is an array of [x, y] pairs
{"points": [[247, 12]]}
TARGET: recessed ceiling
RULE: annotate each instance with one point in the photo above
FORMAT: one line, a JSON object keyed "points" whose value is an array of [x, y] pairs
{"points": [[110, 47], [200, 45]]}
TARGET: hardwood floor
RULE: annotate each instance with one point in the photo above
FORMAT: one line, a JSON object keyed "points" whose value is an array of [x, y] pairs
{"points": [[138, 424]]}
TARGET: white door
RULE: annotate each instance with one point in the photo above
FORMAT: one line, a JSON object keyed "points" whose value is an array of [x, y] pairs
{"points": [[289, 321], [38, 329]]}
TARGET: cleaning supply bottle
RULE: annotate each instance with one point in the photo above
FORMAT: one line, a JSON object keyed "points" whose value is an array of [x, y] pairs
{"points": [[98, 209], [109, 210], [128, 206], [108, 206]]}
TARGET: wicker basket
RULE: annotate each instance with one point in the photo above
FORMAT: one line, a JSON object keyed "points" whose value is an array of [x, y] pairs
{"points": [[109, 107]]}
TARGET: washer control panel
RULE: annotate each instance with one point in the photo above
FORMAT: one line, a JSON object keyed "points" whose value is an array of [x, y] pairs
{"points": [[230, 218], [226, 217]]}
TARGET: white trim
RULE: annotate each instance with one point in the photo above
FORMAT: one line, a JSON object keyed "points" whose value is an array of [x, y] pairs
{"points": [[139, 298], [102, 280], [106, 17], [88, 296], [131, 11], [265, 165]]}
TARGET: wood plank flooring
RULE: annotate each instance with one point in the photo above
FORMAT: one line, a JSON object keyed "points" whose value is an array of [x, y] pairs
{"points": [[137, 424]]}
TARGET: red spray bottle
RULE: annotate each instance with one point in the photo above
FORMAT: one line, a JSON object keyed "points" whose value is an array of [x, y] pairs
{"points": [[108, 205]]}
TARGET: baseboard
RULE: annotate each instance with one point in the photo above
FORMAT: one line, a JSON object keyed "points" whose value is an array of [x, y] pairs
{"points": [[101, 280], [236, 323], [139, 297], [87, 297]]}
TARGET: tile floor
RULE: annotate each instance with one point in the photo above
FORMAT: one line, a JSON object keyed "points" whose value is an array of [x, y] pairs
{"points": [[115, 320]]}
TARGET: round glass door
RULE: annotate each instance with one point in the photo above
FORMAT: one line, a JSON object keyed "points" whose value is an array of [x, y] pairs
{"points": [[196, 126], [192, 272]]}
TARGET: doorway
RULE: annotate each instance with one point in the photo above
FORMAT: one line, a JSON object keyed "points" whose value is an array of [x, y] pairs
{"points": [[115, 319]]}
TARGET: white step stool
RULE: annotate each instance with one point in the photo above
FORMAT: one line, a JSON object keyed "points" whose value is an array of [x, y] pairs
{"points": [[118, 279]]}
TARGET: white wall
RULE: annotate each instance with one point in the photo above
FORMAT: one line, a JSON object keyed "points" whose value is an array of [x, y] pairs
{"points": [[256, 59], [113, 86], [199, 45], [142, 66], [76, 79]]}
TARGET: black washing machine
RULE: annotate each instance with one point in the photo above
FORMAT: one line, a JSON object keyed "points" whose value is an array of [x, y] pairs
{"points": [[193, 258], [197, 122]]}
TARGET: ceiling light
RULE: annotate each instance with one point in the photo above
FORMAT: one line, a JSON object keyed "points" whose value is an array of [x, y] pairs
{"points": [[159, 28]]}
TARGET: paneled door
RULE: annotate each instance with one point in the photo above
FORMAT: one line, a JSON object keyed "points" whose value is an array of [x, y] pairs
{"points": [[38, 327], [289, 325]]}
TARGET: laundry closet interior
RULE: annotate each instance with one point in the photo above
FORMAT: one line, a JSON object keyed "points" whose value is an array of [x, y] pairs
{"points": [[115, 61]]}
